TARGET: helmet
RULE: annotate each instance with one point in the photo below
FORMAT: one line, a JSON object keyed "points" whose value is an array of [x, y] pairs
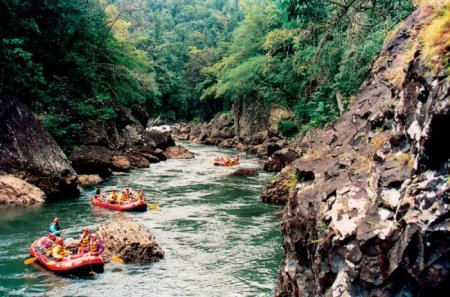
{"points": [[60, 241], [52, 236], [85, 230], [94, 236], [56, 220]]}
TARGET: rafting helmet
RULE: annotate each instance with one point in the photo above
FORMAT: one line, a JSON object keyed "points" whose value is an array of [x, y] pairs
{"points": [[52, 236], [59, 241], [56, 220], [85, 230], [94, 236]]}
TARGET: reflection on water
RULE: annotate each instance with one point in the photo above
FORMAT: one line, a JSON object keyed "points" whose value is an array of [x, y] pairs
{"points": [[218, 238]]}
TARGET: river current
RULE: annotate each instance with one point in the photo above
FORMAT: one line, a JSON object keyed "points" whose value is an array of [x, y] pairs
{"points": [[219, 239]]}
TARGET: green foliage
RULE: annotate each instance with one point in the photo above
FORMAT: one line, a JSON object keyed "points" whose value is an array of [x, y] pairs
{"points": [[66, 57], [300, 53], [288, 128]]}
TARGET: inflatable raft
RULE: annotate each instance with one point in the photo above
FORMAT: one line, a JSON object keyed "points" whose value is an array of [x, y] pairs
{"points": [[127, 206], [78, 265], [222, 163]]}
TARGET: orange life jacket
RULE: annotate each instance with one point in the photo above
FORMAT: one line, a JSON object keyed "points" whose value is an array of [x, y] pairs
{"points": [[93, 246], [84, 242]]}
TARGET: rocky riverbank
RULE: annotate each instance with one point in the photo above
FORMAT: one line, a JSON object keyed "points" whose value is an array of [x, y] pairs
{"points": [[220, 132], [28, 152], [367, 196]]}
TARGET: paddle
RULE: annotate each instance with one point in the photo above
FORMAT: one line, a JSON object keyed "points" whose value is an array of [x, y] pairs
{"points": [[117, 259], [153, 206], [114, 258], [29, 261]]}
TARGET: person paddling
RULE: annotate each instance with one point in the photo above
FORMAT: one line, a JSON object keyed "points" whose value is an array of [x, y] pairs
{"points": [[113, 197], [55, 228], [84, 241], [95, 246], [139, 195], [58, 251], [48, 243]]}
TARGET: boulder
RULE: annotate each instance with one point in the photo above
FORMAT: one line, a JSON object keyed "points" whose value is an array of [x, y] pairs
{"points": [[137, 160], [120, 163], [245, 172], [160, 154], [150, 157], [30, 153], [227, 143], [89, 179], [130, 241], [16, 191], [280, 159], [92, 159], [178, 152], [162, 139]]}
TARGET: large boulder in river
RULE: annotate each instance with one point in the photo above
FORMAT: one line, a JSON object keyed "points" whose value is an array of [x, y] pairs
{"points": [[30, 153], [17, 191], [92, 160], [130, 241], [89, 179], [178, 152], [162, 139], [244, 172]]}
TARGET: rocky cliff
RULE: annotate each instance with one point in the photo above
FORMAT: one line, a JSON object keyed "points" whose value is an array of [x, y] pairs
{"points": [[367, 197], [27, 151]]}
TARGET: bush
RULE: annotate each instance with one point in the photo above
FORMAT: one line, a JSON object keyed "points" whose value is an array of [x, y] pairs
{"points": [[288, 128]]}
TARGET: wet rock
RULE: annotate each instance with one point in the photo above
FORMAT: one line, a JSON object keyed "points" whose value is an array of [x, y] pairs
{"points": [[16, 191], [178, 152], [30, 153], [89, 179], [243, 172], [130, 241]]}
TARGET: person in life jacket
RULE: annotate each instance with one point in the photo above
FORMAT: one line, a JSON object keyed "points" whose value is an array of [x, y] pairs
{"points": [[129, 193], [98, 193], [95, 246], [139, 195], [83, 243], [58, 251], [123, 197], [48, 243], [113, 198], [55, 228]]}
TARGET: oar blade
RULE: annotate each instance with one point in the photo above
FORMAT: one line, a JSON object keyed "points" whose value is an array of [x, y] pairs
{"points": [[117, 259], [153, 206], [29, 261]]}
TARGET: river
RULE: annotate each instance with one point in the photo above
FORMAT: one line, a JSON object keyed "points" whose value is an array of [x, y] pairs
{"points": [[219, 239]]}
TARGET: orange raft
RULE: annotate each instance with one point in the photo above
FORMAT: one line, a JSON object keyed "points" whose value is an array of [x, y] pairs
{"points": [[137, 205], [78, 265]]}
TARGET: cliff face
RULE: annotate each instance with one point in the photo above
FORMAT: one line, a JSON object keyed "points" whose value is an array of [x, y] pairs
{"points": [[368, 213], [27, 151]]}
